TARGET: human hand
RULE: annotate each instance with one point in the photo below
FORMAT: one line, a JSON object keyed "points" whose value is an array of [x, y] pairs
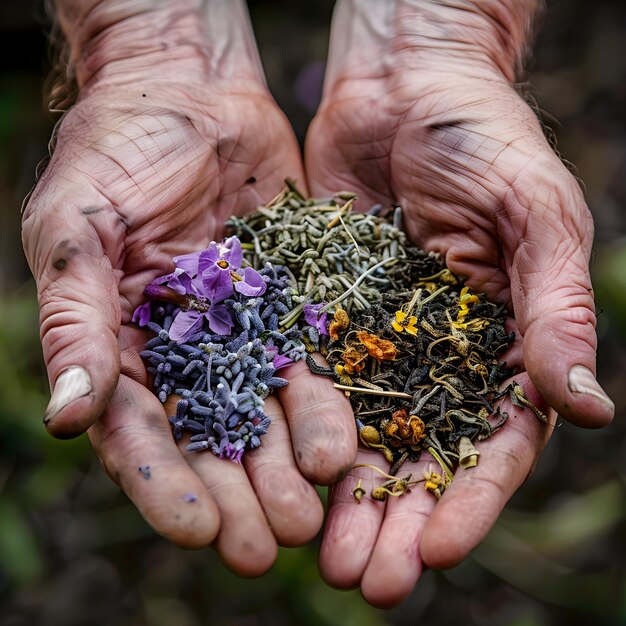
{"points": [[419, 110], [173, 131]]}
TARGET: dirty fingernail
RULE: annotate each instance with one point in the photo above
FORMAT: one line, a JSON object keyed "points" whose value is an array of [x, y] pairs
{"points": [[581, 380], [72, 383]]}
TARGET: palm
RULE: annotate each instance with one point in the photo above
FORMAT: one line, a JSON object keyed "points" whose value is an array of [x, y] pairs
{"points": [[450, 158], [170, 167]]}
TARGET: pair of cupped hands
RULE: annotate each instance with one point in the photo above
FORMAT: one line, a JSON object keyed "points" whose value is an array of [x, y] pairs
{"points": [[151, 161]]}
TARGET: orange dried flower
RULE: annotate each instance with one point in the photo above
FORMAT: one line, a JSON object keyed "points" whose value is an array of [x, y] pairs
{"points": [[418, 429], [380, 349], [354, 359], [405, 429], [338, 324]]}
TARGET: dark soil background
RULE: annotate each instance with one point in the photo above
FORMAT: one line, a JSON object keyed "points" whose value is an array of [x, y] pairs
{"points": [[73, 551]]}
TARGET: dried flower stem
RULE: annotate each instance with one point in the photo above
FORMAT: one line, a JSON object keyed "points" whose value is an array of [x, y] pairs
{"points": [[361, 278], [444, 466], [374, 392], [432, 296], [377, 469]]}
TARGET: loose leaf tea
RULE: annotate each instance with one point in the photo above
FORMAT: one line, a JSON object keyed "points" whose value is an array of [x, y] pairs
{"points": [[416, 351]]}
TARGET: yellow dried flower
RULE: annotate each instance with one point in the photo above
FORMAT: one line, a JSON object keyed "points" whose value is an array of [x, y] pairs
{"points": [[435, 483], [405, 323], [465, 298], [358, 492]]}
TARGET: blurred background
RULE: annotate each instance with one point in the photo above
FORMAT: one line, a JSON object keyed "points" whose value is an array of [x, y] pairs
{"points": [[73, 551]]}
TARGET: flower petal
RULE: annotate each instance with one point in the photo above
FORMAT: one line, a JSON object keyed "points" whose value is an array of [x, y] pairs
{"points": [[217, 283], [208, 257], [177, 280], [235, 254], [185, 324], [231, 451], [281, 360], [142, 314], [252, 283], [312, 318], [220, 319], [188, 263]]}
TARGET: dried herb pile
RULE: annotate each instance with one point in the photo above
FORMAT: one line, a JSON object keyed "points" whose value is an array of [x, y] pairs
{"points": [[416, 351], [221, 374]]}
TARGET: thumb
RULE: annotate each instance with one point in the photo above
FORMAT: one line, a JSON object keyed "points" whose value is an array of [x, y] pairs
{"points": [[78, 301], [552, 294]]}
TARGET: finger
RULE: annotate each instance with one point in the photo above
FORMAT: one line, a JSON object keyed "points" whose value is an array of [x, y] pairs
{"points": [[552, 294], [245, 542], [134, 442], [471, 505], [351, 526], [321, 424], [78, 300], [290, 502], [395, 565]]}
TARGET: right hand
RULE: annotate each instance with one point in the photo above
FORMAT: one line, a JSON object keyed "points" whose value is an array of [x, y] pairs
{"points": [[418, 111], [160, 149]]}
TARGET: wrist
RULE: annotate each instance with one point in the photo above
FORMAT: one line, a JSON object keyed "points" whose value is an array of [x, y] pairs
{"points": [[186, 41], [474, 38], [494, 32]]}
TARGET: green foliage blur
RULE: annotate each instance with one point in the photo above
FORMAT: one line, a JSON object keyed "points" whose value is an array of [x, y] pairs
{"points": [[73, 551]]}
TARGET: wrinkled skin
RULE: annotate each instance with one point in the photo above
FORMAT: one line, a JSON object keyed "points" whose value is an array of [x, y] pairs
{"points": [[133, 181], [465, 157]]}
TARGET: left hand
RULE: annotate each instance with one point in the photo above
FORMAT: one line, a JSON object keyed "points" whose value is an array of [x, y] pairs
{"points": [[445, 136], [173, 130]]}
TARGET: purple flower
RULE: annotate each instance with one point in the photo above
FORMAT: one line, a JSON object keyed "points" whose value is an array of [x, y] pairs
{"points": [[188, 323], [198, 285], [219, 267], [281, 360], [178, 280], [233, 451], [178, 421], [312, 317], [188, 263], [142, 314]]}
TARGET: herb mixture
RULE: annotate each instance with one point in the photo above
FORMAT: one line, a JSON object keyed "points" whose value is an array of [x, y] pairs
{"points": [[416, 351]]}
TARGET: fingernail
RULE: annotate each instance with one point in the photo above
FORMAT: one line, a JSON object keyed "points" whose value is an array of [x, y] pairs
{"points": [[581, 380], [73, 383]]}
